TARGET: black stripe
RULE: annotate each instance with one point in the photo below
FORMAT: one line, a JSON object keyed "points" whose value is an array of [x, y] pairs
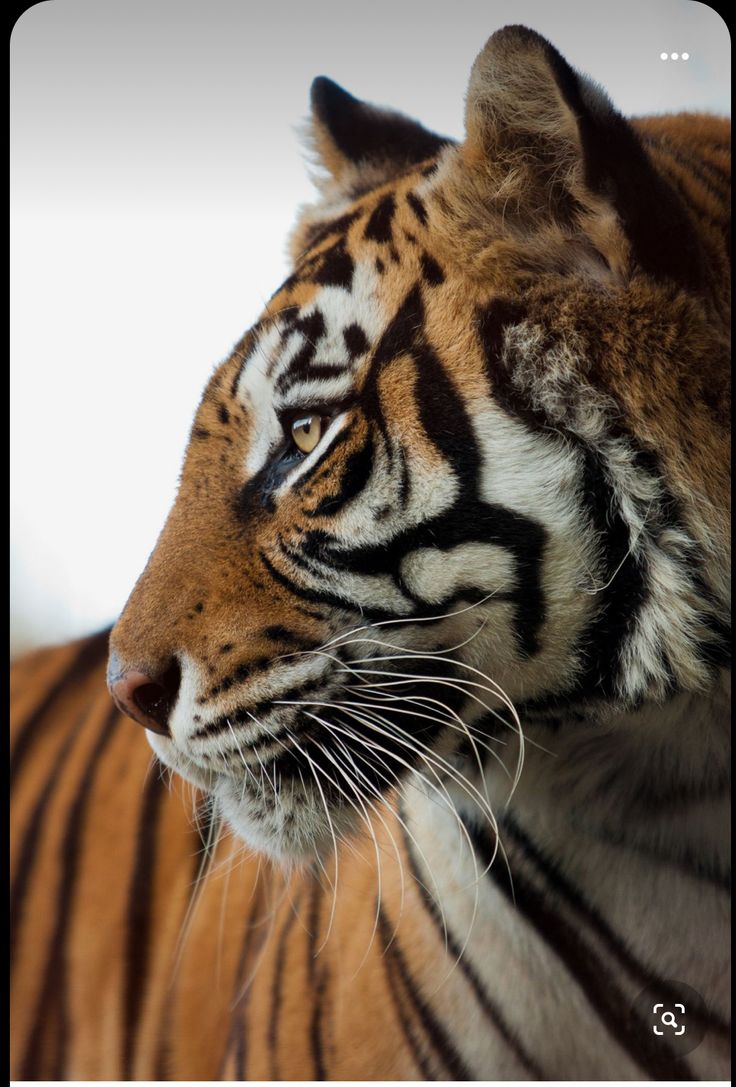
{"points": [[693, 200], [140, 916], [706, 173], [435, 1031], [318, 981], [590, 973], [408, 1031], [336, 267], [417, 206], [36, 1063], [238, 1031], [625, 584], [91, 652], [277, 989], [355, 475], [491, 1009], [36, 824], [625, 591], [309, 478], [566, 889], [315, 597], [356, 341], [431, 271], [242, 714], [204, 821], [378, 227], [404, 492], [446, 422], [310, 371], [692, 863], [312, 329], [317, 232], [286, 637]]}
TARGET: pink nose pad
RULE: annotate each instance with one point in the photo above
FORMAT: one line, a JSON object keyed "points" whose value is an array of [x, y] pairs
{"points": [[145, 700]]}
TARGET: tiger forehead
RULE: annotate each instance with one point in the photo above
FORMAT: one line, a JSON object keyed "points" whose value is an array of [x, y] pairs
{"points": [[391, 215], [323, 321], [385, 228]]}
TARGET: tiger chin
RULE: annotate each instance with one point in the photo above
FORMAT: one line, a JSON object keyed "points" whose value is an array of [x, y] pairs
{"points": [[441, 442], [285, 820]]}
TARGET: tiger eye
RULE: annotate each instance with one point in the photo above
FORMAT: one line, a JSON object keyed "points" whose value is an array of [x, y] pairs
{"points": [[306, 432]]}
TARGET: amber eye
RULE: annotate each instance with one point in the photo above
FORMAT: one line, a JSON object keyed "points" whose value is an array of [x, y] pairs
{"points": [[306, 431]]}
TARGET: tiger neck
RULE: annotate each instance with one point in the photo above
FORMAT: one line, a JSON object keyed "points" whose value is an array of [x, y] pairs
{"points": [[607, 877], [652, 782]]}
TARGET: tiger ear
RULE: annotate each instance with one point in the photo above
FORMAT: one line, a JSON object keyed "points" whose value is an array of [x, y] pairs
{"points": [[360, 145], [546, 155]]}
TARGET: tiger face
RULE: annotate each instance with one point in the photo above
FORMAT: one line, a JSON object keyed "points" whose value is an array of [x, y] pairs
{"points": [[443, 481]]}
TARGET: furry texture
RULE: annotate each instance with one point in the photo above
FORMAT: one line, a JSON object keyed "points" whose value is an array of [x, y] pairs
{"points": [[459, 670]]}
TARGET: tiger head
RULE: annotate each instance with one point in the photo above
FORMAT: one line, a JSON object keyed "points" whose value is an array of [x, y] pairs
{"points": [[470, 462]]}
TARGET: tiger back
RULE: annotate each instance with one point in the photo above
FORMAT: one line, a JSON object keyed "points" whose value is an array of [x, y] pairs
{"points": [[434, 642]]}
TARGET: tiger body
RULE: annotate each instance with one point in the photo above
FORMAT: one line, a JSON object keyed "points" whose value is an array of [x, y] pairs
{"points": [[228, 968], [484, 621]]}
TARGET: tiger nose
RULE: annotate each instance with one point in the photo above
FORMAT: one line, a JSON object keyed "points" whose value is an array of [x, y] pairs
{"points": [[148, 699]]}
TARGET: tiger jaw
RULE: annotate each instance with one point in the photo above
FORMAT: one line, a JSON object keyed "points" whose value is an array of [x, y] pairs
{"points": [[295, 780], [289, 818]]}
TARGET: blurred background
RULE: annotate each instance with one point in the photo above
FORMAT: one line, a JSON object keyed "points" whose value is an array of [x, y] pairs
{"points": [[155, 171]]}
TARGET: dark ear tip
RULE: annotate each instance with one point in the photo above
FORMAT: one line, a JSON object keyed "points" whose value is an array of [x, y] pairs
{"points": [[516, 34], [326, 96]]}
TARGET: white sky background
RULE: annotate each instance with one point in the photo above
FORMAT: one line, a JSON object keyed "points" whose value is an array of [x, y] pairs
{"points": [[155, 172]]}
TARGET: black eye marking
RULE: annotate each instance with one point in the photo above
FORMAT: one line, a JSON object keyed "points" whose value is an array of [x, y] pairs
{"points": [[356, 473], [259, 490]]}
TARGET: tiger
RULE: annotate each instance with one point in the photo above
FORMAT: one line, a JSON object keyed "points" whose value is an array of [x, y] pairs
{"points": [[433, 649]]}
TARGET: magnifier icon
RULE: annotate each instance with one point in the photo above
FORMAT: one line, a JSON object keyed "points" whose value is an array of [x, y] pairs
{"points": [[667, 1019]]}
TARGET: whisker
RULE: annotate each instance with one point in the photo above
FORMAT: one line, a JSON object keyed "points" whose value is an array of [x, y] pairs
{"points": [[409, 619], [333, 727]]}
